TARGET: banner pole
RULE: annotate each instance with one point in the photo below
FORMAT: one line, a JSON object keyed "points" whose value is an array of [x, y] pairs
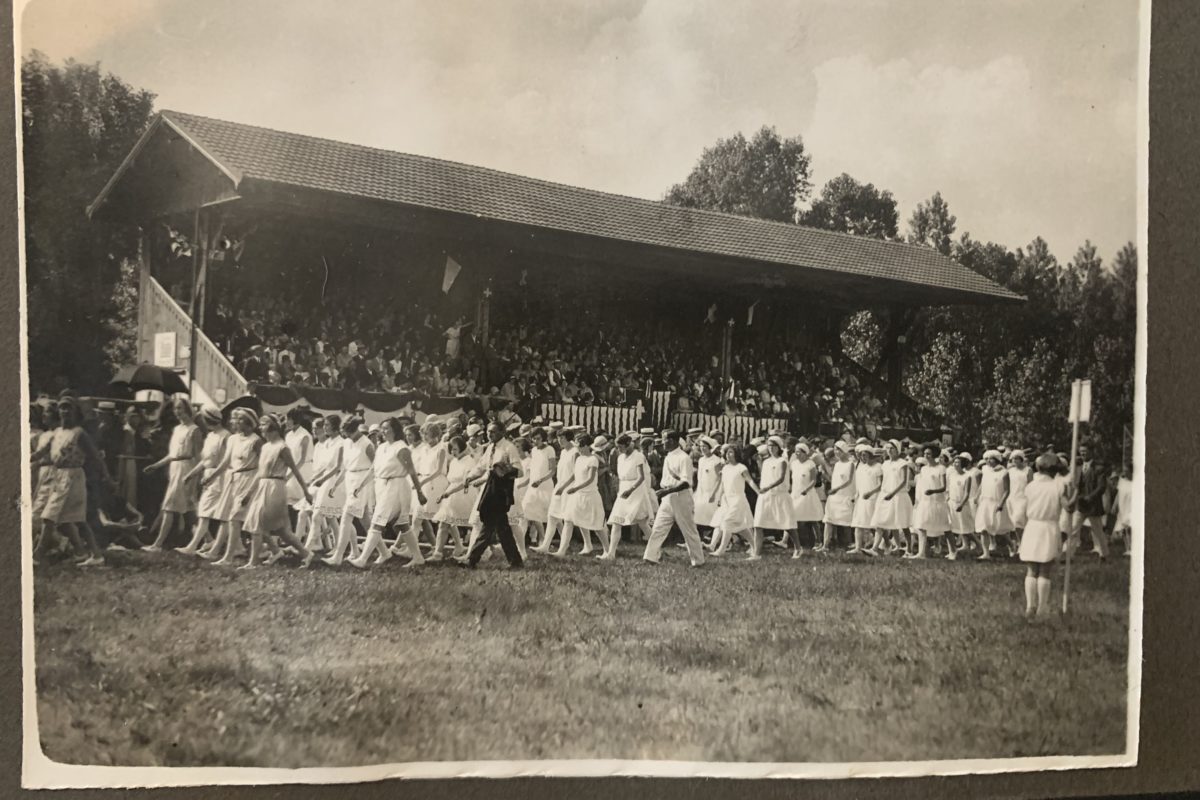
{"points": [[1076, 390]]}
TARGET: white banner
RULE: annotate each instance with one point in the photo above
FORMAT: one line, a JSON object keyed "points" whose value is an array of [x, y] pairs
{"points": [[613, 419]]}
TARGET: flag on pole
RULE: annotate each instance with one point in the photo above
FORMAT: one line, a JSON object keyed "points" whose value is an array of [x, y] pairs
{"points": [[750, 314], [452, 270], [712, 314]]}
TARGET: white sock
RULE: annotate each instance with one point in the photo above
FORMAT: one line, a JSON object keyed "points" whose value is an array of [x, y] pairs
{"points": [[1043, 590], [1031, 593]]}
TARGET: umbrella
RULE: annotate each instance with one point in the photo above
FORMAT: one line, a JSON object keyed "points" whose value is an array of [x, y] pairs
{"points": [[246, 401], [148, 376]]}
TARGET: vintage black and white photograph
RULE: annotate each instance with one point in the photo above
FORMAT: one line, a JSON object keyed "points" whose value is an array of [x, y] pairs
{"points": [[580, 387]]}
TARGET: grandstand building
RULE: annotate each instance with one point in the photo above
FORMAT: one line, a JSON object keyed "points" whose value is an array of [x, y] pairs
{"points": [[230, 211]]}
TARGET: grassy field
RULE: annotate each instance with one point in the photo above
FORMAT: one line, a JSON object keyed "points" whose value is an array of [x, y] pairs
{"points": [[164, 660]]}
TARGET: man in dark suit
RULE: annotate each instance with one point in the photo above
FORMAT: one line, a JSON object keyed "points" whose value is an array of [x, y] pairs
{"points": [[502, 462], [1090, 503]]}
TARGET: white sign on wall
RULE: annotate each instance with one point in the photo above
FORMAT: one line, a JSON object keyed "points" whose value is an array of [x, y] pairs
{"points": [[164, 349]]}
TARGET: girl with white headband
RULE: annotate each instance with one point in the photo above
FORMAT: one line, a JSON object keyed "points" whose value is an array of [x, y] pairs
{"points": [[991, 515], [807, 508], [774, 511], [893, 509]]}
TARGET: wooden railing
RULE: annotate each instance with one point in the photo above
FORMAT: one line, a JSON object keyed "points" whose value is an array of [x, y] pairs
{"points": [[160, 314]]}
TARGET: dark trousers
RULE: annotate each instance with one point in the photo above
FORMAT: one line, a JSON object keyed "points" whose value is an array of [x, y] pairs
{"points": [[495, 526]]}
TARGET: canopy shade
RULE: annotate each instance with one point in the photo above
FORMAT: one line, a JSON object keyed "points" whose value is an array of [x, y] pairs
{"points": [[306, 175]]}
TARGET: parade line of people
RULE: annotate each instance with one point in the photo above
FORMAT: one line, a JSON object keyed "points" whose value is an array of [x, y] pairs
{"points": [[331, 490]]}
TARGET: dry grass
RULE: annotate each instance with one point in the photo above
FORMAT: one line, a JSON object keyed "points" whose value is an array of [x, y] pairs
{"points": [[163, 660]]}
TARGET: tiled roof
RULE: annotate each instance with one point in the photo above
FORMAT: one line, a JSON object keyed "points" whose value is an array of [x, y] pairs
{"points": [[293, 160]]}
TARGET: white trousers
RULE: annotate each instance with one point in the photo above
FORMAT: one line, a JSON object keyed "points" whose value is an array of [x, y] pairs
{"points": [[675, 509]]}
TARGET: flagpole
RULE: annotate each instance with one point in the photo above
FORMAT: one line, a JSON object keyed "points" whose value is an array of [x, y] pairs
{"points": [[1076, 392]]}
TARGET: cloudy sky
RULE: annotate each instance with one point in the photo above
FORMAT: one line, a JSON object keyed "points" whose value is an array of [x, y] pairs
{"points": [[1021, 112]]}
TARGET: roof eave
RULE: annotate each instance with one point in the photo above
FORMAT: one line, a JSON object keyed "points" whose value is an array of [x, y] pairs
{"points": [[163, 118]]}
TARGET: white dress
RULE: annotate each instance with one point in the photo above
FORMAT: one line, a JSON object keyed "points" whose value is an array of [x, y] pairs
{"points": [[958, 489], [330, 497], [536, 504], [427, 461], [566, 468], [1064, 516], [585, 508], [773, 510], [1018, 479], [356, 467], [988, 517], [866, 478], [300, 444], [393, 486], [839, 505], [706, 485], [733, 511], [456, 508], [243, 461], [1124, 504], [932, 512], [180, 497], [894, 514], [516, 519], [210, 456], [637, 507], [806, 507], [1042, 541], [267, 511]]}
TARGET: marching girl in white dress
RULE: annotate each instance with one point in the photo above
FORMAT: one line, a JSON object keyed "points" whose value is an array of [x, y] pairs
{"points": [[734, 517], [535, 506], [45, 469], [807, 507], [357, 455], [301, 443], [516, 517], [396, 487], [707, 478], [330, 486], [931, 516], [893, 509], [432, 460], [633, 505], [212, 453], [457, 502], [868, 480], [318, 462], [266, 499], [773, 510], [991, 514], [839, 503], [412, 437], [583, 508], [959, 483], [65, 509], [238, 467], [1019, 476], [1123, 510], [565, 471], [179, 502], [1046, 499]]}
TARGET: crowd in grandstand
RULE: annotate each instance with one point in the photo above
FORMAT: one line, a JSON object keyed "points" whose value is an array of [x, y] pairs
{"points": [[307, 485], [581, 359]]}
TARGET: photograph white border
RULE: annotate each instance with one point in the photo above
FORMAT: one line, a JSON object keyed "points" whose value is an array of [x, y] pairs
{"points": [[39, 772]]}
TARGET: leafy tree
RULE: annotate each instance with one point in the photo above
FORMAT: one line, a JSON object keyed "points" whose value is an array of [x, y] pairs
{"points": [[764, 177], [78, 124], [851, 207], [1028, 401], [932, 224]]}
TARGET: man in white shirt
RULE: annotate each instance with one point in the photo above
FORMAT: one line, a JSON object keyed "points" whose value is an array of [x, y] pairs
{"points": [[677, 506]]}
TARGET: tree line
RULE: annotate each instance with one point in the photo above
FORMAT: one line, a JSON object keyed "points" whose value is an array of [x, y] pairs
{"points": [[997, 375]]}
